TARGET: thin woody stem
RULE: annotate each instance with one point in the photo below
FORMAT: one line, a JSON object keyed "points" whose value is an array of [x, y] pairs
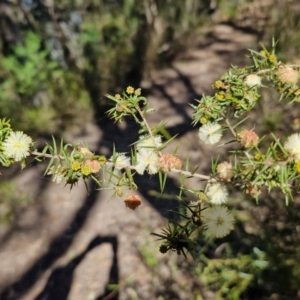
{"points": [[36, 153], [185, 173], [145, 121], [229, 125], [108, 163], [147, 126], [190, 174], [271, 69], [234, 134], [129, 179]]}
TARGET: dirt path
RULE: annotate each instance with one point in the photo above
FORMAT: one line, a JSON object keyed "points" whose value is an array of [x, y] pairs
{"points": [[69, 245]]}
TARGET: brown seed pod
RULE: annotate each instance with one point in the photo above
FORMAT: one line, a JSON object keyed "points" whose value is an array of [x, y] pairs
{"points": [[133, 201]]}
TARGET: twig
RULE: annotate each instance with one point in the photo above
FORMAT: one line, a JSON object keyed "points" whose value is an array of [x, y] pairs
{"points": [[147, 125], [108, 163], [271, 69]]}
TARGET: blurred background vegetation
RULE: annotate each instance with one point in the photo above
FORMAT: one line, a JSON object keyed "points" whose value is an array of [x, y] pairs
{"points": [[59, 57]]}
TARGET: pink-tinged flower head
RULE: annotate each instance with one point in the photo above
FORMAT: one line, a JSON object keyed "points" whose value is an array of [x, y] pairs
{"points": [[94, 165], [248, 138], [287, 75], [168, 161]]}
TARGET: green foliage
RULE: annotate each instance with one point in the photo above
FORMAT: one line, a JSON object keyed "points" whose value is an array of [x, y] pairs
{"points": [[108, 43], [149, 256], [71, 163], [35, 92], [5, 130], [272, 18], [229, 277], [127, 37], [284, 24], [277, 234]]}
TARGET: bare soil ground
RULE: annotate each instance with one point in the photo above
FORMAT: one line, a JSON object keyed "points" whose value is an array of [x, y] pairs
{"points": [[71, 245]]}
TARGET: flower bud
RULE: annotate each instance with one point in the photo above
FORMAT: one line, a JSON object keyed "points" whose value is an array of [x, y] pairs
{"points": [[119, 192], [248, 138], [86, 170], [297, 166], [85, 151], [253, 191], [219, 84], [225, 170], [133, 201], [137, 92], [119, 108], [202, 196], [75, 166], [197, 221], [163, 248], [130, 90], [272, 58]]}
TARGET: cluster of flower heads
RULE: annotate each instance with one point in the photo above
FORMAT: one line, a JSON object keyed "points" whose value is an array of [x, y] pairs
{"points": [[150, 159], [274, 168], [236, 91], [81, 163], [216, 219], [278, 163], [125, 103], [209, 211], [211, 134]]}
